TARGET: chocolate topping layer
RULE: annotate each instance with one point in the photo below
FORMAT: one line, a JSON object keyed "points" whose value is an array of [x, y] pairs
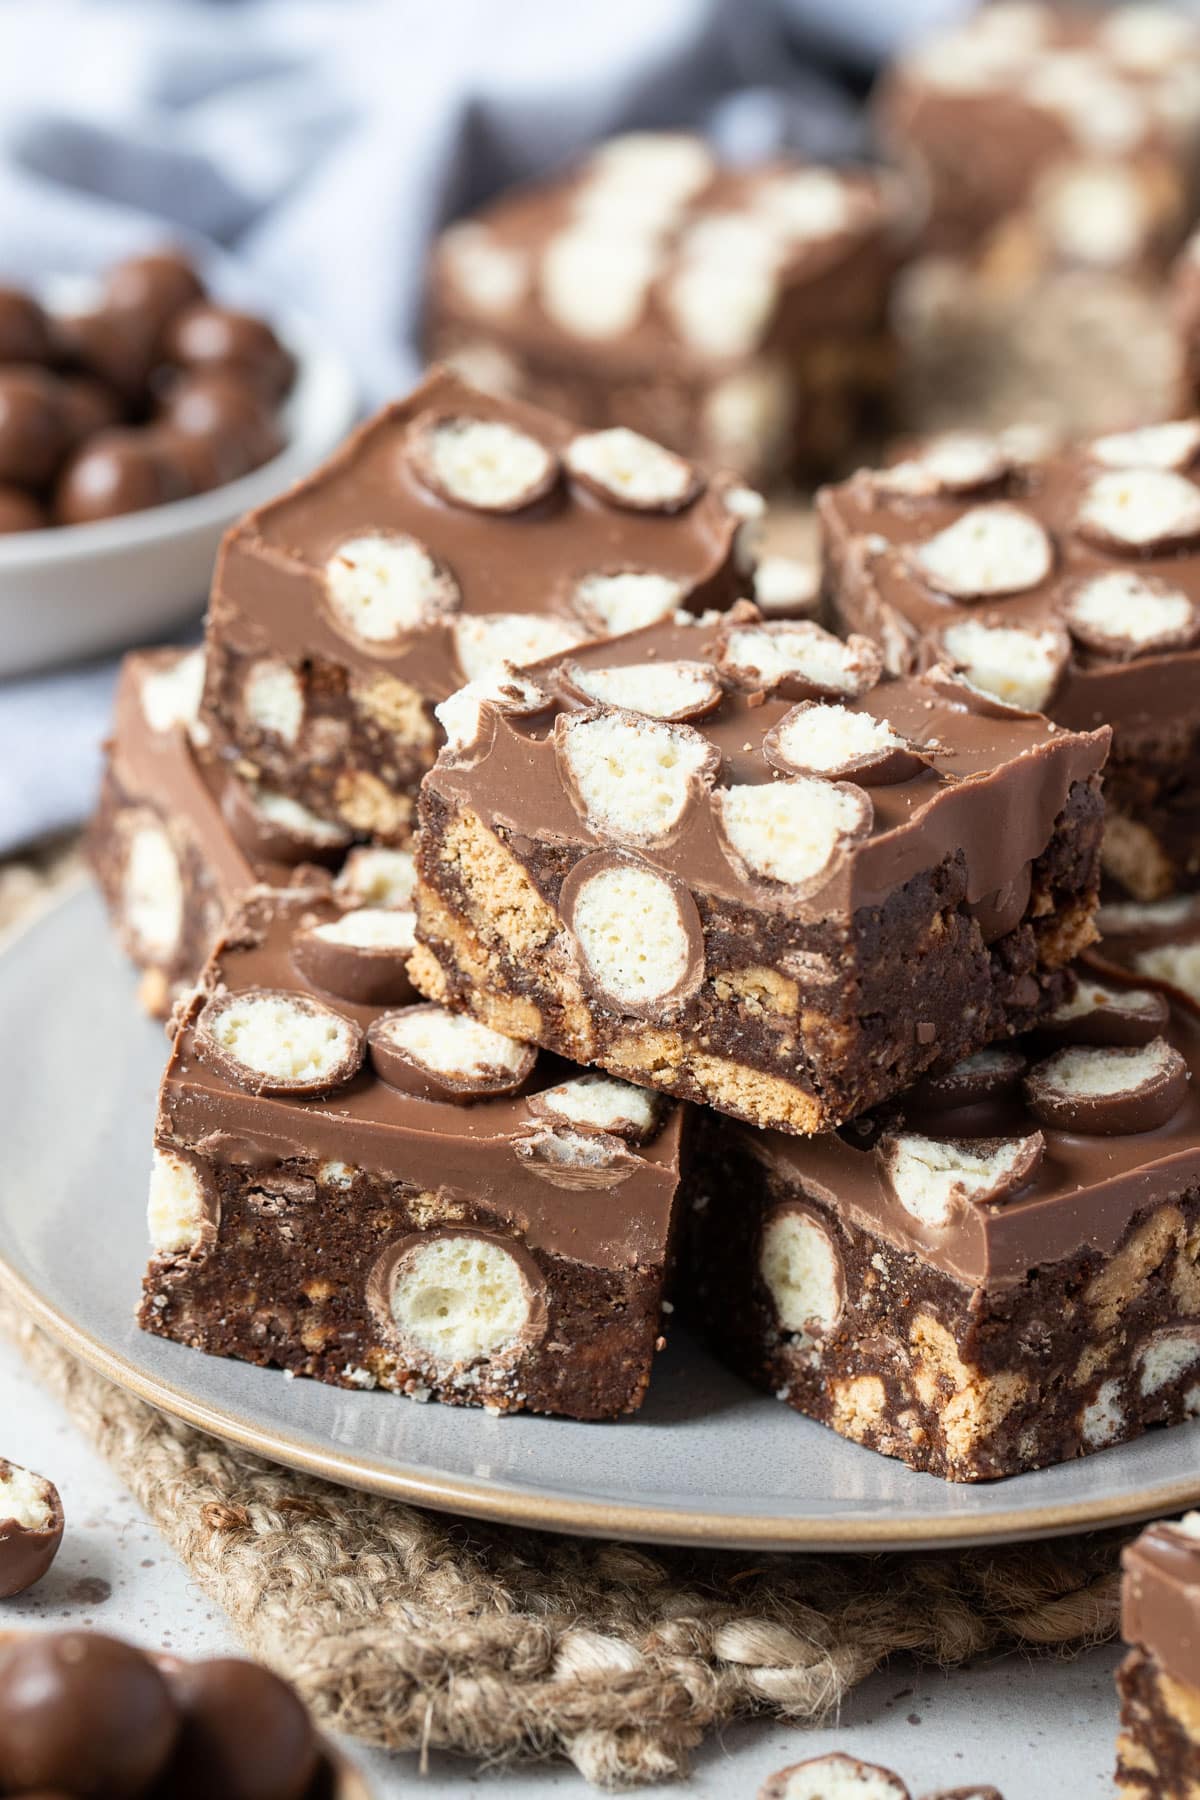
{"points": [[992, 786], [270, 595], [877, 528], [1083, 1192], [477, 1150], [1160, 1596]]}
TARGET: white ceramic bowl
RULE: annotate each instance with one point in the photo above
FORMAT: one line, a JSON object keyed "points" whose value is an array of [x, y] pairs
{"points": [[76, 590]]}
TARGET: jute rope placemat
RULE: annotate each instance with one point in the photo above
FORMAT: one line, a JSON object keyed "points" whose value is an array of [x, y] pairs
{"points": [[413, 1631]]}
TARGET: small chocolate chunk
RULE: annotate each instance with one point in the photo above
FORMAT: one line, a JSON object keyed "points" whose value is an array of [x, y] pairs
{"points": [[31, 1527], [1109, 1090], [439, 1055], [272, 1042], [83, 1713], [245, 1734], [361, 957], [33, 427], [19, 511], [117, 472], [210, 337], [1098, 1014], [24, 329], [155, 287]]}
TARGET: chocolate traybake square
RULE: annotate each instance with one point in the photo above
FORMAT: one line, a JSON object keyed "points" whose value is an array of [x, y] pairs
{"points": [[1158, 1750], [1068, 583], [453, 534], [353, 1186], [726, 860], [997, 1272]]}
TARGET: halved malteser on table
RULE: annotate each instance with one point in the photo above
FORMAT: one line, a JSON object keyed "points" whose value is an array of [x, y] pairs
{"points": [[995, 1272], [453, 536], [177, 836], [725, 860], [740, 314], [1158, 1750], [1069, 584], [391, 1195], [840, 1776]]}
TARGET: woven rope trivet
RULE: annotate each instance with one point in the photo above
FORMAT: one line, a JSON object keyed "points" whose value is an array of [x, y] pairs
{"points": [[413, 1631]]}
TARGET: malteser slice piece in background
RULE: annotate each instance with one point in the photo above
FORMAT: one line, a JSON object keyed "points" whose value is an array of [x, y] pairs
{"points": [[31, 1527], [176, 838], [992, 1272], [444, 543], [1159, 943], [372, 876], [455, 1216], [1100, 622], [786, 910], [1158, 1749], [742, 317], [834, 1777], [362, 957]]}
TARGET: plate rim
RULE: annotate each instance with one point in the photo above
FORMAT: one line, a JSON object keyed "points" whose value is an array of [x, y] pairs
{"points": [[581, 1517]]}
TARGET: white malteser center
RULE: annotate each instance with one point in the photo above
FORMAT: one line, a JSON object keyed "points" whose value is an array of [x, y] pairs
{"points": [[171, 696], [790, 830], [489, 644], [802, 1271], [1178, 964], [626, 601], [274, 699], [1170, 446], [453, 1044], [1094, 1072], [841, 1778], [931, 1176], [460, 1298], [666, 690], [371, 928], [811, 203], [485, 463], [378, 877], [152, 892], [381, 586], [1017, 666], [461, 716], [293, 817], [1165, 1358], [629, 467], [1093, 996], [784, 584], [23, 1500], [175, 1212], [721, 307], [491, 275], [593, 282], [825, 738], [628, 926], [803, 650], [602, 1102], [1125, 609], [273, 1036], [633, 776], [1142, 507], [991, 550]]}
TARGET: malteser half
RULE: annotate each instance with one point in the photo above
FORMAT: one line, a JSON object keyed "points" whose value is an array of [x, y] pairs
{"points": [[726, 860], [382, 1194], [995, 1272]]}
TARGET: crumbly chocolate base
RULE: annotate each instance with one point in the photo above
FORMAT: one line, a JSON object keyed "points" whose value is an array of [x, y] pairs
{"points": [[799, 414], [364, 745], [968, 1383], [284, 1282], [168, 967], [912, 982], [1158, 1750]]}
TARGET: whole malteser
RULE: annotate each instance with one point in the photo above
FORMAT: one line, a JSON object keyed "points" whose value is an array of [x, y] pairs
{"points": [[83, 1713], [116, 346], [31, 1527], [220, 403], [89, 406], [156, 286], [24, 329], [19, 511], [201, 463], [246, 1734], [33, 431], [207, 336], [116, 472]]}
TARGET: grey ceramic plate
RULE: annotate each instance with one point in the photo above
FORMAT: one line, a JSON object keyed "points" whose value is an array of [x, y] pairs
{"points": [[706, 1458]]}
